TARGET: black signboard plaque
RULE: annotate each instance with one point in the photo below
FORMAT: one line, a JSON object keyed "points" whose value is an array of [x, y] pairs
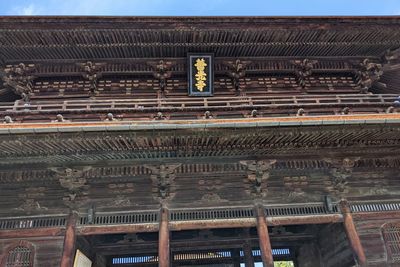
{"points": [[201, 74]]}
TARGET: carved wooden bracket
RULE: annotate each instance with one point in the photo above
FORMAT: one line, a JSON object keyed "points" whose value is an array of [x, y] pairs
{"points": [[19, 78], [390, 55], [258, 173], [91, 72], [341, 171], [162, 72], [236, 71], [368, 74], [163, 177], [303, 70]]}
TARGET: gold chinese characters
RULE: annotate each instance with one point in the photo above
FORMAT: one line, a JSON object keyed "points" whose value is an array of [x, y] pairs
{"points": [[201, 76]]}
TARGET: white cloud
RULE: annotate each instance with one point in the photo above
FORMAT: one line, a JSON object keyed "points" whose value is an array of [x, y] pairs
{"points": [[30, 10]]}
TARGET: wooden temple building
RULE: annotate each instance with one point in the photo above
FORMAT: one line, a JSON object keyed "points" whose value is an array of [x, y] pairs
{"points": [[199, 141]]}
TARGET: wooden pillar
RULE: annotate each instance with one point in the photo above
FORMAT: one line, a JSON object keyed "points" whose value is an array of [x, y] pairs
{"points": [[235, 254], [163, 239], [352, 235], [248, 255], [265, 244], [68, 255]]}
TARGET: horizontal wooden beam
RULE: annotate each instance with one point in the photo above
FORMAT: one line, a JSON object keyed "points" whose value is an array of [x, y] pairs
{"points": [[340, 119], [307, 219], [378, 215], [213, 224], [37, 232], [116, 229]]}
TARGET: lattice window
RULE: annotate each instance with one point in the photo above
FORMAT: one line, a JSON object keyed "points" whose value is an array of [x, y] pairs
{"points": [[391, 235], [20, 255]]}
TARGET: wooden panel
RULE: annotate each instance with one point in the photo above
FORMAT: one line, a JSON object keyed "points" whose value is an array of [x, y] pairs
{"points": [[48, 251], [334, 247]]}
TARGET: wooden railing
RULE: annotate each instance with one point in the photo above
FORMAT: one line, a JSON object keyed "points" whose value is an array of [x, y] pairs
{"points": [[201, 103], [195, 108]]}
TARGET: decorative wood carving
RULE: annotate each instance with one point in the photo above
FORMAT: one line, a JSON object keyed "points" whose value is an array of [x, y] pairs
{"points": [[162, 72], [130, 238], [237, 71], [19, 78], [303, 70], [211, 197], [295, 186], [75, 182], [31, 206], [121, 188], [258, 173], [391, 55], [210, 188], [30, 198], [368, 74], [163, 177], [341, 171], [119, 201], [91, 72]]}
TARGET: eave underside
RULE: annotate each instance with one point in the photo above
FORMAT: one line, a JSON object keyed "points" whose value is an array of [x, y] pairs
{"points": [[98, 38]]}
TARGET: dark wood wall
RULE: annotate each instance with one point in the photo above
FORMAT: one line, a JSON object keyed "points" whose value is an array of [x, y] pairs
{"points": [[47, 251], [334, 247], [370, 232]]}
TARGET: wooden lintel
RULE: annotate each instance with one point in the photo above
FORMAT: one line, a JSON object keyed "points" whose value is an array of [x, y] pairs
{"points": [[263, 235], [379, 215], [349, 118], [304, 219], [183, 225], [163, 239], [212, 224], [67, 258], [38, 232], [117, 229], [352, 235]]}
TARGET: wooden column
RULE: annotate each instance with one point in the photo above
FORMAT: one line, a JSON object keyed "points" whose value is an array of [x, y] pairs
{"points": [[68, 255], [163, 239], [235, 254], [265, 244], [248, 255], [352, 235]]}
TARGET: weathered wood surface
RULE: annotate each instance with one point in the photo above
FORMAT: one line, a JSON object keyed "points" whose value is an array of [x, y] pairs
{"points": [[292, 92], [334, 247], [69, 247], [48, 250], [164, 239], [173, 37], [263, 235], [352, 234], [369, 229]]}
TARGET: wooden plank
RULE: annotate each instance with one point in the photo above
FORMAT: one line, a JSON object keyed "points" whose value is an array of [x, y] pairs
{"points": [[208, 224], [304, 219], [116, 229], [39, 232]]}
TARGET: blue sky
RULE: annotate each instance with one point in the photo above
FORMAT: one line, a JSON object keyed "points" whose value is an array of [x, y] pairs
{"points": [[200, 7]]}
